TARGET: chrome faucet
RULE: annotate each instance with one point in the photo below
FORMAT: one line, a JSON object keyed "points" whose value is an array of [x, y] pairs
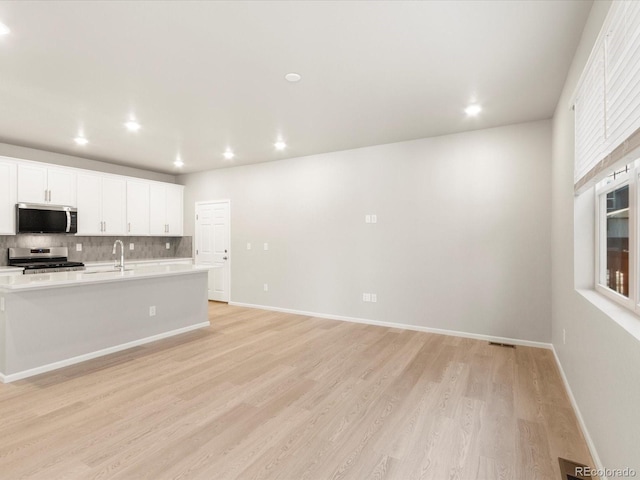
{"points": [[121, 266]]}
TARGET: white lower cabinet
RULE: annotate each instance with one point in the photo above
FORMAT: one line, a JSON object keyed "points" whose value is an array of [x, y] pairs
{"points": [[102, 205]]}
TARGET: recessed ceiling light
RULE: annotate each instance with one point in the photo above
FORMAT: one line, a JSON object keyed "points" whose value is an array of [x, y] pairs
{"points": [[293, 77], [228, 154], [81, 140], [178, 163], [4, 30], [132, 126], [280, 145], [473, 110]]}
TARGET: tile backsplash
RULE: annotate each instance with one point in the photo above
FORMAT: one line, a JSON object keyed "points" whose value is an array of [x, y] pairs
{"points": [[95, 249]]}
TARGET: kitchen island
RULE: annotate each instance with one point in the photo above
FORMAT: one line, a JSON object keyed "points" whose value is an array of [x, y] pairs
{"points": [[53, 320]]}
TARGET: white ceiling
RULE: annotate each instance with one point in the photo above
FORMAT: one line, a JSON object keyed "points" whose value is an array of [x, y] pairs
{"points": [[201, 76]]}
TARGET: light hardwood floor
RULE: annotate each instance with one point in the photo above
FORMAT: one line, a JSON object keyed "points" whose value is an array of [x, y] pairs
{"points": [[263, 395]]}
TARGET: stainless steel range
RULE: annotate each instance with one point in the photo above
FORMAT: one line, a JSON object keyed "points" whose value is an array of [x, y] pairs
{"points": [[43, 260]]}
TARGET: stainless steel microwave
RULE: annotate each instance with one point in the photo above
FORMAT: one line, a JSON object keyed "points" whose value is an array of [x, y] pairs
{"points": [[32, 218]]}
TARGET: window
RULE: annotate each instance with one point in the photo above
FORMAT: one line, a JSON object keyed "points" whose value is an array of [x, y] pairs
{"points": [[617, 241], [607, 139]]}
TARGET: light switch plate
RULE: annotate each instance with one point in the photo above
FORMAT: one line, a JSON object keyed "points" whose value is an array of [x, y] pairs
{"points": [[168, 245], [78, 247], [266, 246], [366, 297], [248, 246], [367, 219], [374, 218], [131, 246], [1, 304], [266, 287], [374, 297]]}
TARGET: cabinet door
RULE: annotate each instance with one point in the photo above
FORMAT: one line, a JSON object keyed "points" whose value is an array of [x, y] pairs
{"points": [[62, 186], [137, 208], [89, 205], [32, 184], [7, 199], [157, 209], [174, 209], [114, 206]]}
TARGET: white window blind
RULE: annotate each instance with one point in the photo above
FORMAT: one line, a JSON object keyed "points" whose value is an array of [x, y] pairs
{"points": [[590, 116], [623, 74], [607, 100]]}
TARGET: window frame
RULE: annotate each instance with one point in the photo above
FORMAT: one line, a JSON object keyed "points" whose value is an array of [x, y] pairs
{"points": [[632, 178]]}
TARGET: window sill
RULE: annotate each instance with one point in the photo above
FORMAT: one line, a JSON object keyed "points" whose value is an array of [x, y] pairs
{"points": [[623, 317]]}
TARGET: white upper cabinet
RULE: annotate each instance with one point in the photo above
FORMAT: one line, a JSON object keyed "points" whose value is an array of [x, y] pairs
{"points": [[32, 184], [175, 194], [107, 204], [137, 207], [41, 184], [89, 205], [101, 205], [62, 186], [114, 205], [8, 198], [166, 209], [158, 209]]}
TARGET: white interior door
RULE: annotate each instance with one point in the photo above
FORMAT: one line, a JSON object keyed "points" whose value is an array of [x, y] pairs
{"points": [[212, 246]]}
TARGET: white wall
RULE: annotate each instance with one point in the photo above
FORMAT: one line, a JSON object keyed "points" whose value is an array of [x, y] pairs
{"points": [[601, 360], [462, 240], [25, 153]]}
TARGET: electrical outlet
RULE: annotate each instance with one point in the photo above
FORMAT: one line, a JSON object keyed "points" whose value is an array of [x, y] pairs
{"points": [[152, 311], [131, 246], [167, 245], [266, 246], [564, 336], [374, 297], [366, 297], [367, 219], [248, 246], [266, 287], [78, 247]]}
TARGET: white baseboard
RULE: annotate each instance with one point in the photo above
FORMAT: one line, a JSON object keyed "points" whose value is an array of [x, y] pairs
{"points": [[100, 353], [403, 326], [583, 426]]}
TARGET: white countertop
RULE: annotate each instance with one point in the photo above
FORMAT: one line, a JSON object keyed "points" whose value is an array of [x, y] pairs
{"points": [[5, 270], [134, 261], [18, 283]]}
